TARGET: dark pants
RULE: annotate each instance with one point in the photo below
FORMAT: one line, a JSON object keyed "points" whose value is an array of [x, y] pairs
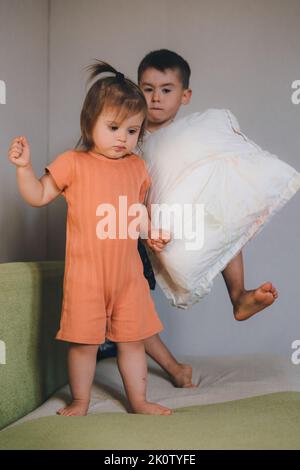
{"points": [[148, 271]]}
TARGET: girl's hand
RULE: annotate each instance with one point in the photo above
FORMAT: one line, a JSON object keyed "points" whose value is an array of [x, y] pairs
{"points": [[19, 152], [158, 239]]}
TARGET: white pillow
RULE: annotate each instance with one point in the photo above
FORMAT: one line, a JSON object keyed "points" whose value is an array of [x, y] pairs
{"points": [[205, 159]]}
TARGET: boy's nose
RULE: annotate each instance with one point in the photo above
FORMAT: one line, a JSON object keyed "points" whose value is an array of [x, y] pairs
{"points": [[155, 96]]}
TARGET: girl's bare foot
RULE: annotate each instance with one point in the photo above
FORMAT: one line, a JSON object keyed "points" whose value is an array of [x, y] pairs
{"points": [[182, 376], [252, 301], [147, 408], [76, 408]]}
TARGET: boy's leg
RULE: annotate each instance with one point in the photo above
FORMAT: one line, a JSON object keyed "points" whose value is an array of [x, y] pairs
{"points": [[81, 371], [180, 374], [132, 364], [246, 302]]}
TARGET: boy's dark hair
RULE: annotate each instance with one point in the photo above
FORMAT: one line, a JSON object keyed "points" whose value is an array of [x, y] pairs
{"points": [[114, 92], [163, 59]]}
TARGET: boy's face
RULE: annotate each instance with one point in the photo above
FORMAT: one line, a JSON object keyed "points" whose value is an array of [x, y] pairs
{"points": [[164, 94]]}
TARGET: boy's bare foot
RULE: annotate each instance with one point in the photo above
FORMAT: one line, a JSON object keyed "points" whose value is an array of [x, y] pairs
{"points": [[182, 376], [76, 408], [252, 301], [147, 408]]}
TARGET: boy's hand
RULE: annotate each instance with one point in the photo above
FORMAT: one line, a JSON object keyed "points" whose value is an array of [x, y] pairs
{"points": [[158, 239], [19, 152]]}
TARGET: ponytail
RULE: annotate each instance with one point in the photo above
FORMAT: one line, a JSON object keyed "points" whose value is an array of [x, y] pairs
{"points": [[99, 67], [115, 91]]}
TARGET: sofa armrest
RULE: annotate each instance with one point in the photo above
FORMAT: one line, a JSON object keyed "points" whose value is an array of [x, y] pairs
{"points": [[32, 363]]}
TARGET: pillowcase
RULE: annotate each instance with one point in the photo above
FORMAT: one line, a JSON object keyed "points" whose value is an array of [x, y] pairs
{"points": [[225, 188]]}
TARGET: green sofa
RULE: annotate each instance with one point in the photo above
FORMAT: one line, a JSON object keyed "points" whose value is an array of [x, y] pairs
{"points": [[248, 402], [32, 362]]}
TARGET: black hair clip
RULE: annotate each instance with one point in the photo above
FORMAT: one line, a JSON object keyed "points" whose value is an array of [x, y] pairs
{"points": [[120, 77]]}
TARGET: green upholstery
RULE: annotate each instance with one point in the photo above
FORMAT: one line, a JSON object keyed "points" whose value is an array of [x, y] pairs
{"points": [[30, 306], [264, 422]]}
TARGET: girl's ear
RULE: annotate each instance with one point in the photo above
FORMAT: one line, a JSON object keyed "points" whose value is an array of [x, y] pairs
{"points": [[186, 96]]}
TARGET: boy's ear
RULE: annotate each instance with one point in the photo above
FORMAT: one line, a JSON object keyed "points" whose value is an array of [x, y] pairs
{"points": [[186, 96]]}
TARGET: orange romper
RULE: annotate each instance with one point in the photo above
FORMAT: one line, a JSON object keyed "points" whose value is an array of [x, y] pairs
{"points": [[105, 293]]}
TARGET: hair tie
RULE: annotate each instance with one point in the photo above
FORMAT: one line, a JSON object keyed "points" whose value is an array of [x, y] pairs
{"points": [[120, 77]]}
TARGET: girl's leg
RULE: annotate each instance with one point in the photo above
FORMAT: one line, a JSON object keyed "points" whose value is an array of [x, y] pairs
{"points": [[81, 370], [180, 374], [246, 302], [132, 364]]}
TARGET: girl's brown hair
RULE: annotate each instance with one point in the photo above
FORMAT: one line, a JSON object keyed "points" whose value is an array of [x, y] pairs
{"points": [[114, 92]]}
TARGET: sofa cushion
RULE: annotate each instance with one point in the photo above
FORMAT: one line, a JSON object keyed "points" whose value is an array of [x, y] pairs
{"points": [[263, 422]]}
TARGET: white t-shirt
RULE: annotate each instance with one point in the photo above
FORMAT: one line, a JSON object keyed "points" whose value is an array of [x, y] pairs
{"points": [[139, 149], [147, 134]]}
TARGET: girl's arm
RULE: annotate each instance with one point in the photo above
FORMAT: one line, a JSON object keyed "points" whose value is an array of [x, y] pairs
{"points": [[36, 192]]}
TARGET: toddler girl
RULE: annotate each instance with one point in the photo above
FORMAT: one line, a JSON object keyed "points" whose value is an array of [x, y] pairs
{"points": [[105, 292]]}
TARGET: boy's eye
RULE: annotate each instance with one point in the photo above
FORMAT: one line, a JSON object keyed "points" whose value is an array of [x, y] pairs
{"points": [[147, 89], [166, 90]]}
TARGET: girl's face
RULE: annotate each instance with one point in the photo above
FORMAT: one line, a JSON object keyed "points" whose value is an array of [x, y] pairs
{"points": [[116, 139]]}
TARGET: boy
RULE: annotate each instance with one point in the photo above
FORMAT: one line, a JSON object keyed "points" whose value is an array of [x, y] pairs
{"points": [[163, 77]]}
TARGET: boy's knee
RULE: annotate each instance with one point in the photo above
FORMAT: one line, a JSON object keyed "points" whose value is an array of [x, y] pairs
{"points": [[84, 348], [130, 345]]}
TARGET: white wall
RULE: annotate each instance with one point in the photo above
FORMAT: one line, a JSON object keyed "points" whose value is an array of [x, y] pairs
{"points": [[244, 55], [24, 70]]}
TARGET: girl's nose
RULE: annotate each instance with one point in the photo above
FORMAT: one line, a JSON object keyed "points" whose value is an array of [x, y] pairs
{"points": [[122, 136]]}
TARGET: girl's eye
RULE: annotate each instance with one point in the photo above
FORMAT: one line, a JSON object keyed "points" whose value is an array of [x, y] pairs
{"points": [[132, 131], [113, 128]]}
